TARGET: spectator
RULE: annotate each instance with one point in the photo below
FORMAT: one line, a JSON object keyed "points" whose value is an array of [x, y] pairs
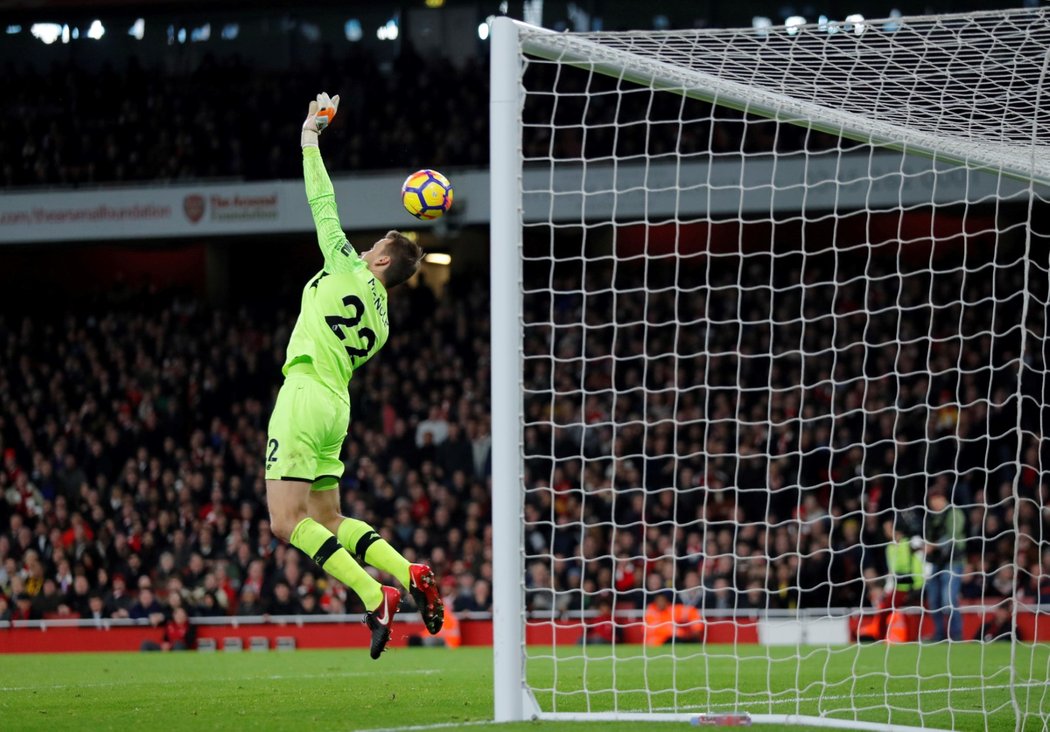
{"points": [[309, 605], [77, 600], [475, 598], [49, 602], [147, 608], [249, 603], [464, 601], [256, 579], [753, 598], [283, 602], [481, 446], [207, 606], [1044, 579], [999, 626], [118, 600], [945, 551], [23, 609], [33, 570], [717, 596], [972, 585], [600, 629], [8, 568], [96, 609], [540, 591], [179, 634], [456, 453], [435, 425]]}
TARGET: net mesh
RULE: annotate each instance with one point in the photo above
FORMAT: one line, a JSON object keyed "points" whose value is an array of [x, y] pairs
{"points": [[784, 392], [970, 87]]}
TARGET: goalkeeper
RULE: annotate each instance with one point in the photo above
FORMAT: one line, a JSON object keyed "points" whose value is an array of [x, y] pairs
{"points": [[342, 323]]}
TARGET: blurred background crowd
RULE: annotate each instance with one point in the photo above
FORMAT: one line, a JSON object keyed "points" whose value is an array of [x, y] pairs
{"points": [[748, 432], [756, 436], [134, 121], [133, 435], [744, 477]]}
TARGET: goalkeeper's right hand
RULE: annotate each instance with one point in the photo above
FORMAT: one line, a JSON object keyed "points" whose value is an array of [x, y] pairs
{"points": [[320, 115]]}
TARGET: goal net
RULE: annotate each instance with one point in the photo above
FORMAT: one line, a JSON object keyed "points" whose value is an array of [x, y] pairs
{"points": [[769, 383]]}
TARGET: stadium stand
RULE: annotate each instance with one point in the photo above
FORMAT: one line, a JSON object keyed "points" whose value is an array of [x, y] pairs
{"points": [[132, 440], [729, 457], [71, 125], [132, 433]]}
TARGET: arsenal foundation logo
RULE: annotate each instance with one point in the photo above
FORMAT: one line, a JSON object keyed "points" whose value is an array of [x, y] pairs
{"points": [[193, 206]]}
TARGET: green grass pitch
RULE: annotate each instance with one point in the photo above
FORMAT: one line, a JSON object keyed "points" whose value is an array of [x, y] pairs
{"points": [[345, 690]]}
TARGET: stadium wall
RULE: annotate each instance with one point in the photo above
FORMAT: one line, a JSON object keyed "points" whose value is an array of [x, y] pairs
{"points": [[82, 636]]}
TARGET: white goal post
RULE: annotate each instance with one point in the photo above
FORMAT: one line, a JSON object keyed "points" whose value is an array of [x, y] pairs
{"points": [[768, 347]]}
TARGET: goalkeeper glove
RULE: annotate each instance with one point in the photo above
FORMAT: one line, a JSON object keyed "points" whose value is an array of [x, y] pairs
{"points": [[321, 113]]}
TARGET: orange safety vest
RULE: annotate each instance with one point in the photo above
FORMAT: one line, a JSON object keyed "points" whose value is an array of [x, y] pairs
{"points": [[450, 630], [681, 621]]}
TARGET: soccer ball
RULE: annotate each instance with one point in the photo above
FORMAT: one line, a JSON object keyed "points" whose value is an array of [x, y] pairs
{"points": [[426, 194]]}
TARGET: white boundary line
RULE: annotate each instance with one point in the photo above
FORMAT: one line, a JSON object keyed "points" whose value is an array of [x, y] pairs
{"points": [[841, 697], [440, 725]]}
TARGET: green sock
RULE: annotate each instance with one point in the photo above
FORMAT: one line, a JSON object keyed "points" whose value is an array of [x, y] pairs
{"points": [[321, 545], [361, 539]]}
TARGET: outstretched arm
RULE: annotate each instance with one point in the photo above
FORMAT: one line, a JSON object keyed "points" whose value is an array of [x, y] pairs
{"points": [[320, 194]]}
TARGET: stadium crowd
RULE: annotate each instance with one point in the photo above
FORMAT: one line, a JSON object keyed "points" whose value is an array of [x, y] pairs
{"points": [[748, 436], [74, 125], [132, 438], [757, 436]]}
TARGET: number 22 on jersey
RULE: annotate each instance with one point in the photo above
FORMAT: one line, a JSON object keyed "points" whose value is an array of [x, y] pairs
{"points": [[341, 325]]}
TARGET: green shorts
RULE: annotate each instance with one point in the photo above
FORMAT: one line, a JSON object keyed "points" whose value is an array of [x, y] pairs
{"points": [[306, 431]]}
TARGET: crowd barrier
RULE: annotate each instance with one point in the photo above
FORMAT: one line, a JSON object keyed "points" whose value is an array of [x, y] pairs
{"points": [[349, 631]]}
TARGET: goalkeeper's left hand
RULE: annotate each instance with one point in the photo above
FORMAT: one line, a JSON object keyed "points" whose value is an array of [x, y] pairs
{"points": [[321, 113]]}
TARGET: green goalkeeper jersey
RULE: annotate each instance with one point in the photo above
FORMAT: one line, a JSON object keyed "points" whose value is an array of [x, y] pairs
{"points": [[343, 320]]}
